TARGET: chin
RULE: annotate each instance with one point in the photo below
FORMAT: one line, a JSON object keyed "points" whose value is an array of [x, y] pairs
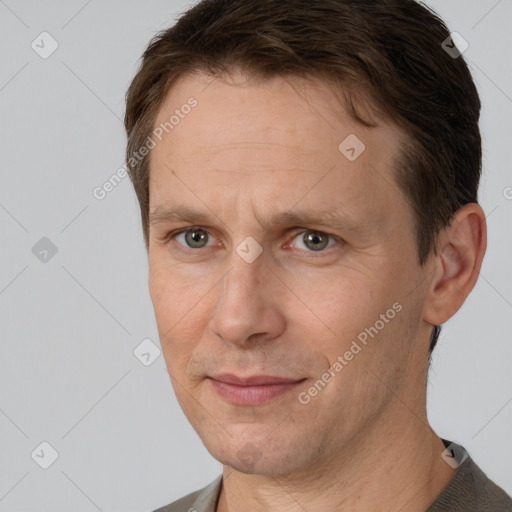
{"points": [[247, 458]]}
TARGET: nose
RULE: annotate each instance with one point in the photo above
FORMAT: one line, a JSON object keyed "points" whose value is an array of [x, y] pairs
{"points": [[248, 306]]}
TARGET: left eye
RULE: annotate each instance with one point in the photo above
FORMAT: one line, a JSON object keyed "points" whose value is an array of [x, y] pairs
{"points": [[314, 240]]}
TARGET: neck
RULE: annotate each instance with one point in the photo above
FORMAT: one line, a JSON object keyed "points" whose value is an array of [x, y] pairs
{"points": [[396, 462]]}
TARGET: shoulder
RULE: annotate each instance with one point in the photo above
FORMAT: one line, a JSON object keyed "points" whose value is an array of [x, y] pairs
{"points": [[489, 495], [470, 490], [182, 505], [203, 500]]}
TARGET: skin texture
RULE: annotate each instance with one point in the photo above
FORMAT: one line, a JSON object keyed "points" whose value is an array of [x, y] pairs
{"points": [[250, 150]]}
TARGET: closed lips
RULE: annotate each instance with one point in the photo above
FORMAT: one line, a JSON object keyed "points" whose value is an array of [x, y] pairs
{"points": [[255, 380]]}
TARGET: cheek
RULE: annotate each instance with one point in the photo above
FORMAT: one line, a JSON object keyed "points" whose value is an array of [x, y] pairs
{"points": [[165, 293], [171, 292], [179, 312], [361, 318], [343, 303]]}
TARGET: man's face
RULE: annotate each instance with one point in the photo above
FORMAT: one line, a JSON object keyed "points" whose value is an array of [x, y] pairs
{"points": [[239, 293]]}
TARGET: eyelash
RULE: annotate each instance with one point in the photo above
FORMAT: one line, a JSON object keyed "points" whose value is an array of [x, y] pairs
{"points": [[171, 236]]}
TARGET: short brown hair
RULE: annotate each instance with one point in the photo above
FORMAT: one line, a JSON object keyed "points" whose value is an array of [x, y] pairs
{"points": [[389, 49]]}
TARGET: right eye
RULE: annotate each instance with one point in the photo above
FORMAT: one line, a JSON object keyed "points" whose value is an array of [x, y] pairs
{"points": [[192, 238]]}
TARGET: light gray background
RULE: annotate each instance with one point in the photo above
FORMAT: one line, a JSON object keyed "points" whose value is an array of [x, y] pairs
{"points": [[68, 326]]}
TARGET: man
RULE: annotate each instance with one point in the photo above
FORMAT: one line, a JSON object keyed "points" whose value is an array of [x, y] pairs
{"points": [[307, 172]]}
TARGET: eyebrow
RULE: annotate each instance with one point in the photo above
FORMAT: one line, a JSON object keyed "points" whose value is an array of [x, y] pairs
{"points": [[325, 218]]}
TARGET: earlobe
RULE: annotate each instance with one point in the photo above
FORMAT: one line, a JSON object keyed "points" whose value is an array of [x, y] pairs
{"points": [[457, 265]]}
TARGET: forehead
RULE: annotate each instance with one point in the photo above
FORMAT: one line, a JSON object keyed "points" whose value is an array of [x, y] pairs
{"points": [[281, 134], [284, 105]]}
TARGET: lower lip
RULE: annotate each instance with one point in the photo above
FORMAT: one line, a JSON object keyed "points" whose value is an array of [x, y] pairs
{"points": [[252, 395]]}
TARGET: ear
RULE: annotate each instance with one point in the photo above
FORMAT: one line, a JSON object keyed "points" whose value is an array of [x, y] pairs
{"points": [[457, 265]]}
